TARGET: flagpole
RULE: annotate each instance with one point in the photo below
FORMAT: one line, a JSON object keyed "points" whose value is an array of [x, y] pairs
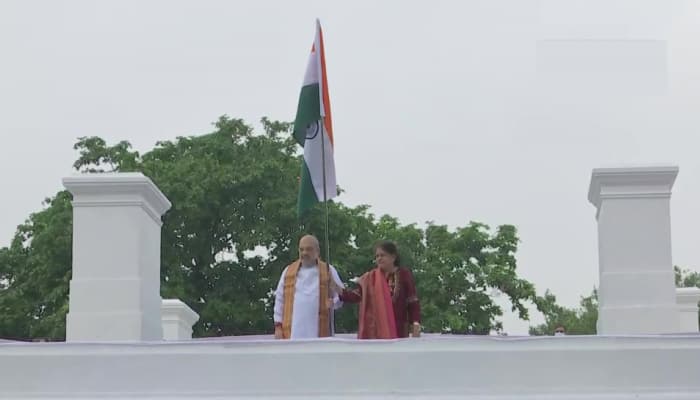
{"points": [[322, 131], [331, 312], [325, 191]]}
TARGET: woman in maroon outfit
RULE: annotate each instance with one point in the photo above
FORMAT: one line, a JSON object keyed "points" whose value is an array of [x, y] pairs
{"points": [[389, 306]]}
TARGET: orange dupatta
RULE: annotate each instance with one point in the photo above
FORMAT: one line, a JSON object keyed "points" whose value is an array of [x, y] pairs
{"points": [[377, 319]]}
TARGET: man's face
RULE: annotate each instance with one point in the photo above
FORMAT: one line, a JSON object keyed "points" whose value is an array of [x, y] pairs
{"points": [[308, 250]]}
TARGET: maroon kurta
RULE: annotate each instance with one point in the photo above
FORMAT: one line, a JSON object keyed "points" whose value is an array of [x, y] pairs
{"points": [[403, 297]]}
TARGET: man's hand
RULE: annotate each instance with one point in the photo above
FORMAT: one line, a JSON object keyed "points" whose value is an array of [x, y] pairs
{"points": [[278, 332], [416, 330]]}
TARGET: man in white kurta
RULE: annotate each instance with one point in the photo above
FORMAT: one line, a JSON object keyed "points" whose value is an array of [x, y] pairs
{"points": [[306, 302]]}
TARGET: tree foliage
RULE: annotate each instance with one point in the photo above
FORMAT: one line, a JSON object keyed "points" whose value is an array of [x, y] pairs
{"points": [[577, 321], [686, 278], [233, 228]]}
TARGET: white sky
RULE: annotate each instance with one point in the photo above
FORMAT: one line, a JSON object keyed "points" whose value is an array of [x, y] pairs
{"points": [[494, 110]]}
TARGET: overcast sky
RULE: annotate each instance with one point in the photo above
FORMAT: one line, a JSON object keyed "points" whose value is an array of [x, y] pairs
{"points": [[493, 111]]}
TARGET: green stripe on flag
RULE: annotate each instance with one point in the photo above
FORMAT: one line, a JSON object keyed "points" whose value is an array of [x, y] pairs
{"points": [[308, 111], [307, 194]]}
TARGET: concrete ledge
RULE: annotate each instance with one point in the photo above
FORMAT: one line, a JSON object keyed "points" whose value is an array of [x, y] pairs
{"points": [[687, 300], [636, 293], [117, 189], [442, 367], [178, 319], [115, 282], [631, 182]]}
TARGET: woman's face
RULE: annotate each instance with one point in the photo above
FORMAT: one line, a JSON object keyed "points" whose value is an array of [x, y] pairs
{"points": [[384, 260]]}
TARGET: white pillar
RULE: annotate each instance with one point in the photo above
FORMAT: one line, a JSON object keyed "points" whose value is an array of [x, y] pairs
{"points": [[115, 288], [178, 319], [687, 300], [637, 291]]}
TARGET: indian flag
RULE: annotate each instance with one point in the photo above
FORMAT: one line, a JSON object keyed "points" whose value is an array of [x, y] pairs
{"points": [[314, 132]]}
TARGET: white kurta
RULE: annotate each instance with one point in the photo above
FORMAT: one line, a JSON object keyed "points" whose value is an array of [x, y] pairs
{"points": [[306, 301]]}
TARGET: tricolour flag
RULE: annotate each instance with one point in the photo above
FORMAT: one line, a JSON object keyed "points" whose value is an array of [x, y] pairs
{"points": [[314, 132]]}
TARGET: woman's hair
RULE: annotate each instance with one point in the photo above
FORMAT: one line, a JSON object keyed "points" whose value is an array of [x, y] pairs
{"points": [[389, 247]]}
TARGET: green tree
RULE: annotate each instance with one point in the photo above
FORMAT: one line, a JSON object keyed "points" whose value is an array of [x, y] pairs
{"points": [[577, 321], [686, 277], [233, 228], [35, 271]]}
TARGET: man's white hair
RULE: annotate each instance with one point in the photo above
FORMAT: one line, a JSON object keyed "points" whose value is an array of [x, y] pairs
{"points": [[314, 239]]}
